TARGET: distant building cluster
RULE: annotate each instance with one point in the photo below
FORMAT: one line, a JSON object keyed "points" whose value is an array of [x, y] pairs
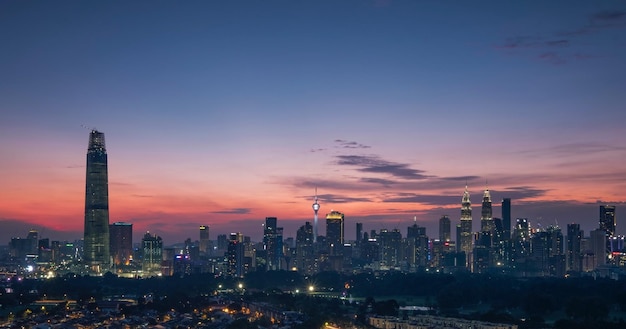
{"points": [[501, 246]]}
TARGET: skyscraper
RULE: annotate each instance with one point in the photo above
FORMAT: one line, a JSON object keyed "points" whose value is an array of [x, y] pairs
{"points": [[506, 218], [444, 228], [204, 239], [270, 243], [465, 235], [96, 243], [486, 218], [121, 246], [607, 219], [334, 232], [152, 247], [573, 252]]}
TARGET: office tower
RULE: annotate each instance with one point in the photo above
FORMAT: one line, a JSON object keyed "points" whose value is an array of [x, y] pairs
{"points": [[417, 242], [334, 232], [598, 246], [152, 247], [444, 228], [121, 242], [316, 207], [359, 232], [305, 256], [486, 217], [235, 255], [270, 244], [96, 237], [204, 239], [465, 234], [222, 242], [607, 219], [390, 243], [573, 253], [506, 218]]}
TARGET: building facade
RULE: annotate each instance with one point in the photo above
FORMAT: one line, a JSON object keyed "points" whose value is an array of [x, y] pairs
{"points": [[96, 252]]}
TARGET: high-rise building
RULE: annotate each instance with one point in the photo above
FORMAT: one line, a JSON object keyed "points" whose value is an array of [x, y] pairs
{"points": [[204, 239], [305, 257], [270, 243], [96, 238], [152, 254], [359, 232], [465, 235], [598, 246], [121, 243], [486, 217], [573, 256], [236, 255], [316, 208], [444, 228], [506, 218], [389, 244], [607, 219], [334, 232]]}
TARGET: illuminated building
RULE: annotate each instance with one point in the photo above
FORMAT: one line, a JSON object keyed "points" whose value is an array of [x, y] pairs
{"points": [[486, 218], [359, 232], [305, 255], [272, 243], [235, 255], [334, 232], [465, 235], [204, 239], [96, 238], [418, 245], [597, 246], [390, 243], [607, 219], [152, 254], [121, 242]]}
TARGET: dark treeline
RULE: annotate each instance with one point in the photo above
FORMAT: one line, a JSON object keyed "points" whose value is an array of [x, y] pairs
{"points": [[575, 300]]}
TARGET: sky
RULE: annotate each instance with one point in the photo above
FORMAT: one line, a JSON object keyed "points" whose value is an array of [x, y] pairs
{"points": [[222, 113]]}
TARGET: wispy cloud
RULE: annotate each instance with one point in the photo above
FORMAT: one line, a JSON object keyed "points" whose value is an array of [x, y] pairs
{"points": [[552, 47], [237, 211], [575, 149], [374, 164], [342, 143], [335, 198]]}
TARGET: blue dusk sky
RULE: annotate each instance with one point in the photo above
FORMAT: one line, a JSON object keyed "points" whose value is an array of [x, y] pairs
{"points": [[221, 113]]}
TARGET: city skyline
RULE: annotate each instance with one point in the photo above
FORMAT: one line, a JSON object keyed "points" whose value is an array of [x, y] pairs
{"points": [[222, 115]]}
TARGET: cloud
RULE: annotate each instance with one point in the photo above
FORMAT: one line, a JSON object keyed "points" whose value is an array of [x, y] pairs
{"points": [[551, 47], [610, 16], [350, 144], [335, 198], [237, 211], [380, 181], [317, 150], [516, 193], [374, 164], [575, 149]]}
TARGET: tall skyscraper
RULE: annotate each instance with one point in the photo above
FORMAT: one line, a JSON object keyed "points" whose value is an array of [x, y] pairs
{"points": [[607, 219], [152, 254], [334, 232], [359, 232], [316, 207], [486, 218], [444, 228], [573, 257], [506, 218], [305, 257], [96, 243], [121, 246], [465, 235], [270, 243], [204, 239]]}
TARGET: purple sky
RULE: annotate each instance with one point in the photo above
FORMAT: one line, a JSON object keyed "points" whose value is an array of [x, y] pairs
{"points": [[225, 112]]}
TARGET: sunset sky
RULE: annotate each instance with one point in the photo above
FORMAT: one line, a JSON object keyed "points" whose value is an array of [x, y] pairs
{"points": [[224, 112]]}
